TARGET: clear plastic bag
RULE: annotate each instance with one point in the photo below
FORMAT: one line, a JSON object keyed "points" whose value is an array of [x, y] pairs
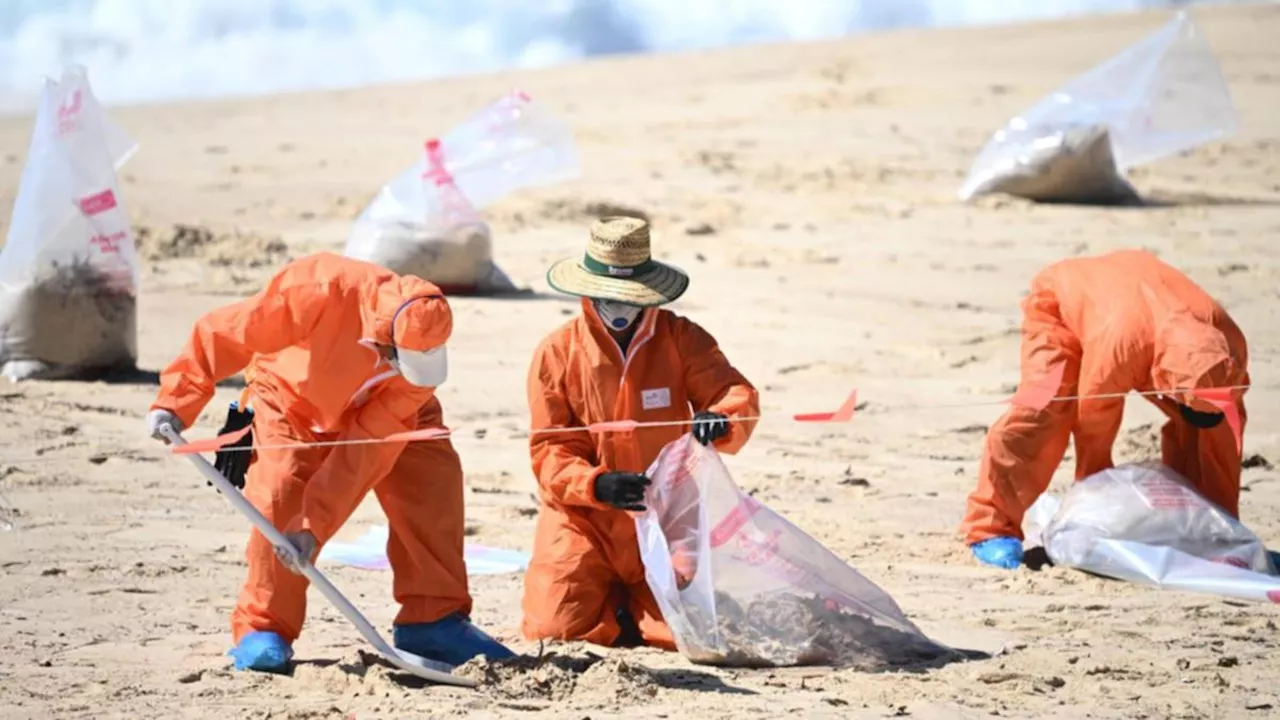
{"points": [[741, 586], [1159, 97], [69, 269], [425, 222], [1144, 523]]}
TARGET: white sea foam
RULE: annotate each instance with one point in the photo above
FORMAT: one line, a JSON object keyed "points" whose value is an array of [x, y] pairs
{"points": [[150, 50]]}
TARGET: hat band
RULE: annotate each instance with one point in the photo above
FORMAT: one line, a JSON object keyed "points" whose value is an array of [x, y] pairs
{"points": [[595, 267]]}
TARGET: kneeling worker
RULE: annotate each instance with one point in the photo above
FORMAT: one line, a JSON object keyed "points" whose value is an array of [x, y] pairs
{"points": [[1117, 323], [336, 349], [623, 358]]}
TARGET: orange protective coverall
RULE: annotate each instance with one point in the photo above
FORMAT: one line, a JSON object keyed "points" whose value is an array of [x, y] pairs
{"points": [[586, 559], [311, 378], [1121, 322]]}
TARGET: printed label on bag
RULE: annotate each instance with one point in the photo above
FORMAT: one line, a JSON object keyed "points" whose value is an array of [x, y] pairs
{"points": [[98, 202], [656, 399], [108, 244], [1164, 494], [733, 522], [69, 114], [687, 465]]}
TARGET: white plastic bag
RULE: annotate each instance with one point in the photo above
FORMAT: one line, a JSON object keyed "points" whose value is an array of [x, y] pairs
{"points": [[741, 586], [69, 268], [1159, 97], [1144, 523], [425, 221]]}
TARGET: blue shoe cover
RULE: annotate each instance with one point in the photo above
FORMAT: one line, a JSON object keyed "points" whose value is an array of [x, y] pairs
{"points": [[451, 639], [262, 650], [1001, 552]]}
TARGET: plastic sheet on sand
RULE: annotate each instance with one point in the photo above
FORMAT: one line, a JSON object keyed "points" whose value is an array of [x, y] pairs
{"points": [[1144, 523], [369, 552]]}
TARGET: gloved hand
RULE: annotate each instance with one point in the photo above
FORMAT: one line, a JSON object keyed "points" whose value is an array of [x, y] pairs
{"points": [[233, 464], [157, 419], [1001, 552], [1200, 420], [305, 543], [622, 490], [710, 426]]}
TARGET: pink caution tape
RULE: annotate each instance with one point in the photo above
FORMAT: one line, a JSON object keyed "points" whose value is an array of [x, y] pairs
{"points": [[1222, 399], [843, 414], [212, 444]]}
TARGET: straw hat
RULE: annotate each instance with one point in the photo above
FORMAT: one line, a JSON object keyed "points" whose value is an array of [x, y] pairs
{"points": [[618, 266]]}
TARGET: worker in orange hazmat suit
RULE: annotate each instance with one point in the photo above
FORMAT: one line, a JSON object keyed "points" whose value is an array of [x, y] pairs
{"points": [[1117, 323], [336, 349], [622, 359]]}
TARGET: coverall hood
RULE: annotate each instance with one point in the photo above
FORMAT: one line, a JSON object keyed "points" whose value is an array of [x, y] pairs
{"points": [[1190, 353], [414, 327], [398, 321]]}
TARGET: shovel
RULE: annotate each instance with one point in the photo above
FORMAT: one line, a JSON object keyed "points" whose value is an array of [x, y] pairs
{"points": [[430, 670]]}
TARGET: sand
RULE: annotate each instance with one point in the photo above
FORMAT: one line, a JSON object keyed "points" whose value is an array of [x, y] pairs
{"points": [[810, 191]]}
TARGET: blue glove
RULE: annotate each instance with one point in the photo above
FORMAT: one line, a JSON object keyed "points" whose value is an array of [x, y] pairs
{"points": [[1001, 552], [262, 650], [451, 639]]}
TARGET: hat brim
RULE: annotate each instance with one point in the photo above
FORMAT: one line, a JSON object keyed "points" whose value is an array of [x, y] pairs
{"points": [[658, 286]]}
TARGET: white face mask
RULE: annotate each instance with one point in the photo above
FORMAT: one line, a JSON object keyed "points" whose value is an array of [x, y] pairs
{"points": [[617, 316], [424, 369]]}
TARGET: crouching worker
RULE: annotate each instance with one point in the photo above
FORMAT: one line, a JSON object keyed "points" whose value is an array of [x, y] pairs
{"points": [[1116, 323], [621, 359], [336, 349]]}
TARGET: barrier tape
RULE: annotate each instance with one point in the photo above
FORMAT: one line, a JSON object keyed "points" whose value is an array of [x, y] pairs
{"points": [[1034, 396]]}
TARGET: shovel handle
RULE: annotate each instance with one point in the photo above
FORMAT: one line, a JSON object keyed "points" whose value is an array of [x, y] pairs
{"points": [[440, 672]]}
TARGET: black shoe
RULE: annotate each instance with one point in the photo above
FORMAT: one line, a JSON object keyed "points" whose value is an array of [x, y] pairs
{"points": [[629, 637]]}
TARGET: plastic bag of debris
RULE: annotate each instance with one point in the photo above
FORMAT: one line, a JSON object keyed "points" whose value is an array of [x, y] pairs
{"points": [[1144, 523], [69, 268], [741, 586], [426, 221], [1159, 97]]}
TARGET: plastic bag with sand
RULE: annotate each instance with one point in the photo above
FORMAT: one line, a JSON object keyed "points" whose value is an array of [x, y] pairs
{"points": [[69, 268], [1144, 523], [741, 586], [425, 222], [1159, 97]]}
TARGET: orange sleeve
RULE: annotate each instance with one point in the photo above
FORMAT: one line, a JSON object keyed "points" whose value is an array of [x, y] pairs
{"points": [[565, 463], [348, 473], [716, 386], [224, 341]]}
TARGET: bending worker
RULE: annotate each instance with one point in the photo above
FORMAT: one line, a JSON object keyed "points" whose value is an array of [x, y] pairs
{"points": [[1116, 323], [623, 358], [338, 349]]}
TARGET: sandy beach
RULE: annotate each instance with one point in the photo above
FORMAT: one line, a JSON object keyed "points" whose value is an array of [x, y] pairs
{"points": [[809, 190]]}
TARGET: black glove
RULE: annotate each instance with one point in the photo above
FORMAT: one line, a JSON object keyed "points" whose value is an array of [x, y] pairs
{"points": [[233, 464], [710, 426], [1201, 420], [622, 490]]}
